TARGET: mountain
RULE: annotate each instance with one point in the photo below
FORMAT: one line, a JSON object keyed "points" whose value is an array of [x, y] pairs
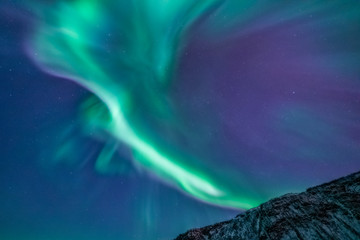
{"points": [[328, 211]]}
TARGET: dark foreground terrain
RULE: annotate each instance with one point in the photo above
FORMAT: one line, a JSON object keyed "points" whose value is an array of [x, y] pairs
{"points": [[328, 211]]}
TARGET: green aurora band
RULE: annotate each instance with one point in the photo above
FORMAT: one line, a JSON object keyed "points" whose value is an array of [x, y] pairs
{"points": [[69, 36]]}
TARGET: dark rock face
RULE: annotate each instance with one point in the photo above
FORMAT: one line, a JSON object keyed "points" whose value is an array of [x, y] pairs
{"points": [[328, 211]]}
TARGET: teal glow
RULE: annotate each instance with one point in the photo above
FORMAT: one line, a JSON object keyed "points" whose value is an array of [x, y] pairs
{"points": [[67, 44]]}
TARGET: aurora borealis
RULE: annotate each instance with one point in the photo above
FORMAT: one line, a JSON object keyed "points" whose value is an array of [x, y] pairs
{"points": [[136, 115], [66, 46]]}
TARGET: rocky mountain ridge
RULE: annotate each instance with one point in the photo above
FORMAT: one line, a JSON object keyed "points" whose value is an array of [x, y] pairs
{"points": [[328, 211]]}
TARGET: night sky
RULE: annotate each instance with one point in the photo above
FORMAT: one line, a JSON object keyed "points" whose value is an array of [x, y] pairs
{"points": [[142, 119]]}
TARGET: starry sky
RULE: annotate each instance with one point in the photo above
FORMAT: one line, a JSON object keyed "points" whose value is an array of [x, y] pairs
{"points": [[141, 119]]}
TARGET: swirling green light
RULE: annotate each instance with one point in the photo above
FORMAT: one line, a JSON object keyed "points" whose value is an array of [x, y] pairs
{"points": [[71, 34]]}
